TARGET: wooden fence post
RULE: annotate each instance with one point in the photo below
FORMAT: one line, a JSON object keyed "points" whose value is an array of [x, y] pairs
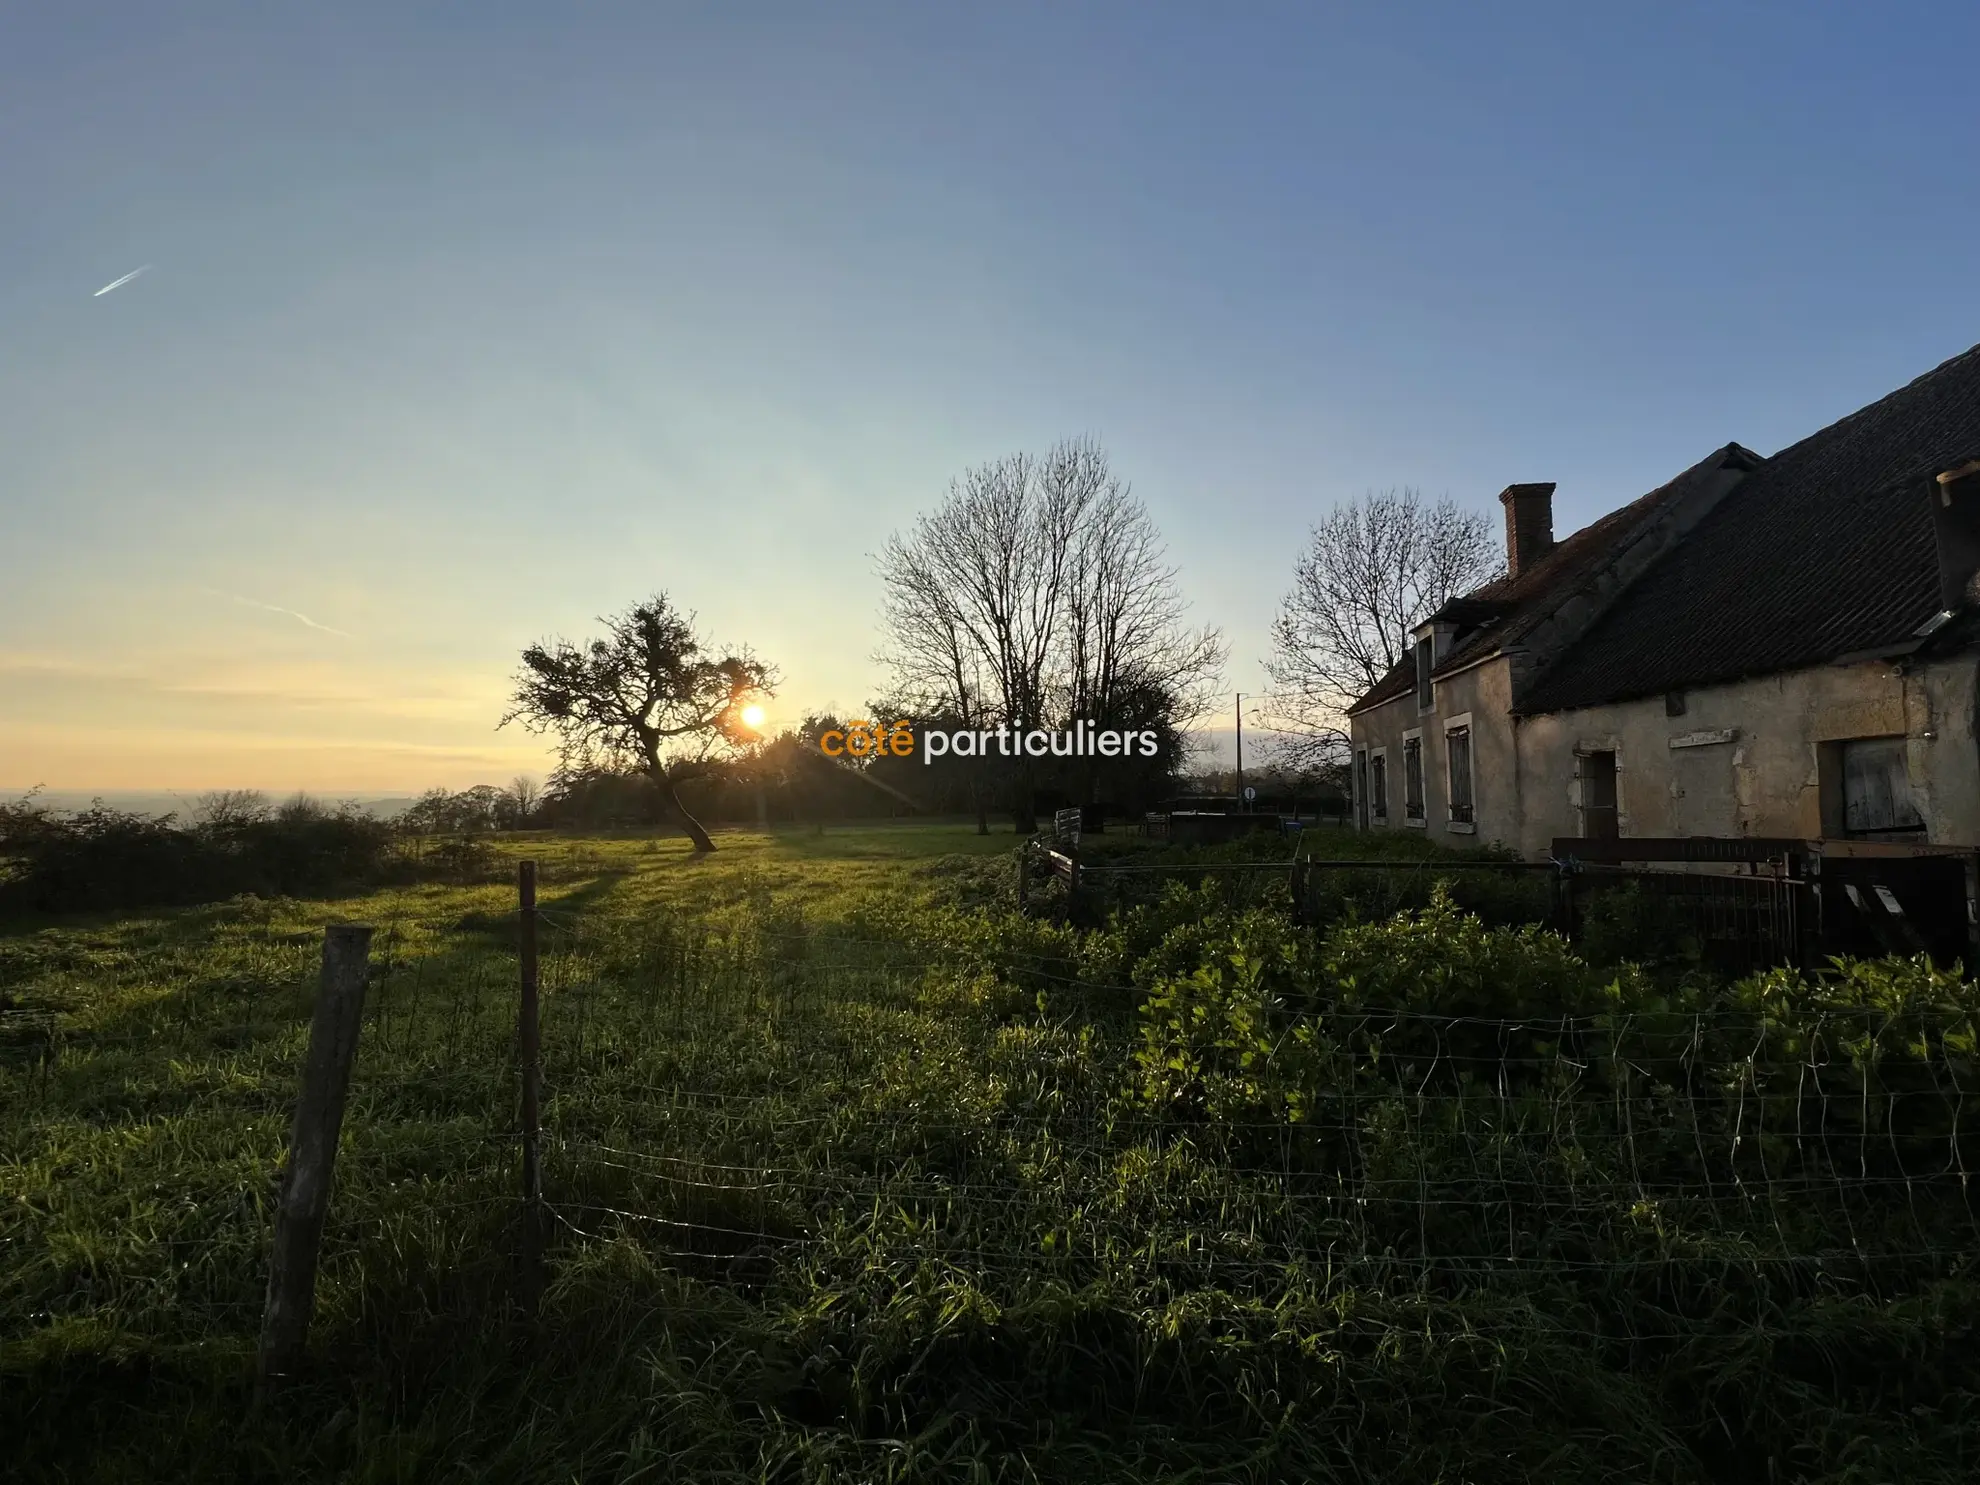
{"points": [[530, 1060], [1023, 875], [1971, 873], [305, 1198]]}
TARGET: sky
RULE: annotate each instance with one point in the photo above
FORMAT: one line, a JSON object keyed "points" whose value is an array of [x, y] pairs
{"points": [[463, 325]]}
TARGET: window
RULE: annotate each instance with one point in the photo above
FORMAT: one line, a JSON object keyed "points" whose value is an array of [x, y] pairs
{"points": [[1413, 779], [1877, 789], [1378, 785], [1425, 662], [1361, 789], [1457, 745]]}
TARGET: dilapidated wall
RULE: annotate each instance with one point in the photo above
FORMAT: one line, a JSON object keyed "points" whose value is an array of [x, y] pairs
{"points": [[1749, 758], [1742, 759], [1481, 696]]}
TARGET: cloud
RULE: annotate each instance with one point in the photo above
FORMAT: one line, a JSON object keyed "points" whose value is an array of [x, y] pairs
{"points": [[275, 608]]}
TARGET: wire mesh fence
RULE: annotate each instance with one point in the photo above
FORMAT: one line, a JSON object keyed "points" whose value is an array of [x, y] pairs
{"points": [[773, 1103]]}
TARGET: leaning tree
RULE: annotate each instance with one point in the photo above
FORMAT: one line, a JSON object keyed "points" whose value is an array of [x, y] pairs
{"points": [[648, 696]]}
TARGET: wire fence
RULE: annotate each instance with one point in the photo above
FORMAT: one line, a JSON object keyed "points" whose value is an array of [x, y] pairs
{"points": [[766, 1101]]}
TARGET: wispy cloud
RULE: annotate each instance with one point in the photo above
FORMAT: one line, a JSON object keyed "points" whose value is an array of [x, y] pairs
{"points": [[119, 283], [275, 608]]}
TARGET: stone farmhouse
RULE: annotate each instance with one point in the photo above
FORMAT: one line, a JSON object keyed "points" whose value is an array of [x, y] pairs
{"points": [[1769, 647]]}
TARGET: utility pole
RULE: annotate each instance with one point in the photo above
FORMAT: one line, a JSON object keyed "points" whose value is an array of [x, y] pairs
{"points": [[1240, 751]]}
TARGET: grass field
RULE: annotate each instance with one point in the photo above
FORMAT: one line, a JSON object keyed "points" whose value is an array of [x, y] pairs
{"points": [[854, 1174]]}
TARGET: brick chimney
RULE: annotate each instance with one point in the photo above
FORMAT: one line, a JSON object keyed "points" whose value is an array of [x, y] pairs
{"points": [[1529, 524]]}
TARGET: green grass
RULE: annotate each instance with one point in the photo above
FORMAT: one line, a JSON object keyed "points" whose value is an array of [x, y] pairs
{"points": [[856, 1176]]}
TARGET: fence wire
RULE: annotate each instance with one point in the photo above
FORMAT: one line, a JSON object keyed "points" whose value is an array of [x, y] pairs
{"points": [[768, 1103]]}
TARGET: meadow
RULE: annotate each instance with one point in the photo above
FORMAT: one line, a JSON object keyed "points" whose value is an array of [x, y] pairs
{"points": [[854, 1173]]}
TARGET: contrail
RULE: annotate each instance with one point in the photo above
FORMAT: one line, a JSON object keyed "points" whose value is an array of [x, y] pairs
{"points": [[275, 609], [120, 282]]}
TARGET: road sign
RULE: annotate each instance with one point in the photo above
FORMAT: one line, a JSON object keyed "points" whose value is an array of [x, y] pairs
{"points": [[1249, 794]]}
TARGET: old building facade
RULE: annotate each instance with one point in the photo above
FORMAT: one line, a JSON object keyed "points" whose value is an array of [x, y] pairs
{"points": [[1782, 646]]}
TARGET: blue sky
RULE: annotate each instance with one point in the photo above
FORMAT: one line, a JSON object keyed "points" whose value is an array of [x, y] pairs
{"points": [[464, 324]]}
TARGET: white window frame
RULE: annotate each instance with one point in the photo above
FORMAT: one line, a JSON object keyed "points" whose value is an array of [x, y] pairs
{"points": [[1421, 821], [1461, 723]]}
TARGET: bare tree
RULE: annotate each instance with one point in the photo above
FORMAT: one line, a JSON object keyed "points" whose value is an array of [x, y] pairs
{"points": [[1036, 593], [972, 596], [519, 802], [300, 808], [1126, 642], [1373, 570], [222, 810], [939, 667], [647, 696]]}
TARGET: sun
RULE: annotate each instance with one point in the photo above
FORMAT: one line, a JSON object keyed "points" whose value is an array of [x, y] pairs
{"points": [[752, 716]]}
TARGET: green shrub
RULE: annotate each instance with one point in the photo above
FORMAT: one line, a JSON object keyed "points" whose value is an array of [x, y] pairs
{"points": [[1624, 924], [1875, 1065], [102, 858], [1443, 960], [1229, 1038]]}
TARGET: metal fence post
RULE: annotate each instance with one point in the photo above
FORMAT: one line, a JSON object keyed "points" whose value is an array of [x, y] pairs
{"points": [[305, 1197], [529, 1057]]}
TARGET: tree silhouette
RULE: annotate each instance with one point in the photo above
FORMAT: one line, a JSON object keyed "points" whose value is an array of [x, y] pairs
{"points": [[648, 696]]}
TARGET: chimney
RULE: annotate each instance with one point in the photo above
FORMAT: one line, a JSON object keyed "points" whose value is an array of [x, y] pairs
{"points": [[1956, 529], [1529, 524]]}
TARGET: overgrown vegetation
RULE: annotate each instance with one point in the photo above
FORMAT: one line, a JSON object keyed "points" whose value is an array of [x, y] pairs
{"points": [[856, 1175], [103, 859]]}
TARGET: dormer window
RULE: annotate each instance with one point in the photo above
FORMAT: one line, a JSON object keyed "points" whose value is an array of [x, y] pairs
{"points": [[1426, 660]]}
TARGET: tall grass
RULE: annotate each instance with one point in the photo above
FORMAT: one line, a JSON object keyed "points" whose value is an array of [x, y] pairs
{"points": [[854, 1175]]}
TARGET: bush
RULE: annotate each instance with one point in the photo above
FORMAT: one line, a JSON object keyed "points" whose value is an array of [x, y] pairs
{"points": [[1225, 1039], [1444, 960], [1245, 1015], [1624, 924], [101, 858], [1875, 1065]]}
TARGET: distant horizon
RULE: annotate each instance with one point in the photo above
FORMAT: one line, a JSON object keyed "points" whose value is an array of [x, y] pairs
{"points": [[1218, 753]]}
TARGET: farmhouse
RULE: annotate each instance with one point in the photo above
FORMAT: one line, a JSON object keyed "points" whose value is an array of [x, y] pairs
{"points": [[1770, 647]]}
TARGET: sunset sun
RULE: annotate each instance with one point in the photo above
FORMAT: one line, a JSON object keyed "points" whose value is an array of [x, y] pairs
{"points": [[752, 716]]}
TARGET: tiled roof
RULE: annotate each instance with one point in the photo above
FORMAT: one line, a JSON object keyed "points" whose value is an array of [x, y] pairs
{"points": [[1825, 550], [1505, 610], [1400, 680]]}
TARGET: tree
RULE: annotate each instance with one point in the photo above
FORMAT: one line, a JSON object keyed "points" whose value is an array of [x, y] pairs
{"points": [[519, 802], [1373, 570], [1037, 593], [971, 595], [1130, 660], [301, 808], [647, 696], [439, 812], [224, 811]]}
